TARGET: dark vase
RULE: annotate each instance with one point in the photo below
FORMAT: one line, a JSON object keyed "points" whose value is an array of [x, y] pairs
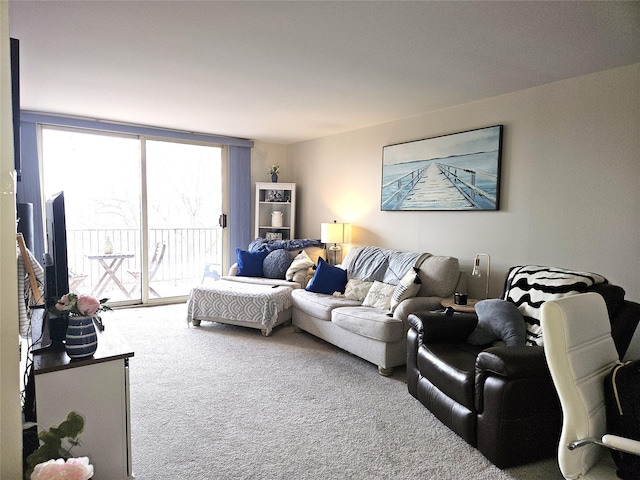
{"points": [[274, 177], [81, 340]]}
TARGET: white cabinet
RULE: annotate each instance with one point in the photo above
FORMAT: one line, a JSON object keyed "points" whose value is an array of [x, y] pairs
{"points": [[275, 214], [98, 389]]}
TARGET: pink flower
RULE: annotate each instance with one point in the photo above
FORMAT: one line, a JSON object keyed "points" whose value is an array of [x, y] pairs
{"points": [[64, 304], [87, 305], [72, 469]]}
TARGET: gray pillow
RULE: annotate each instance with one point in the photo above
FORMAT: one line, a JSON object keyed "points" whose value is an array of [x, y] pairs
{"points": [[498, 320], [275, 264]]}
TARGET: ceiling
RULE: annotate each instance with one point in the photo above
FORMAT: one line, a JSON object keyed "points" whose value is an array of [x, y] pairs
{"points": [[285, 72]]}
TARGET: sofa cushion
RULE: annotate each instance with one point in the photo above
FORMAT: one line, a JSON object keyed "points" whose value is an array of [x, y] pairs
{"points": [[262, 281], [327, 279], [319, 305], [498, 320], [407, 288], [357, 289], [276, 263], [369, 322], [379, 296], [250, 263], [439, 275]]}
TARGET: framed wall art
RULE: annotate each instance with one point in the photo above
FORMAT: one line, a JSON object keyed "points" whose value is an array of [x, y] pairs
{"points": [[459, 171]]}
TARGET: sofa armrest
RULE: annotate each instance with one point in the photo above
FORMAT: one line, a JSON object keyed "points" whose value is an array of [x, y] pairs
{"points": [[438, 327], [509, 363], [233, 270], [416, 304]]}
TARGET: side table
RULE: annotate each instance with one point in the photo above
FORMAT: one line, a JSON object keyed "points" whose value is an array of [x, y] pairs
{"points": [[470, 307]]}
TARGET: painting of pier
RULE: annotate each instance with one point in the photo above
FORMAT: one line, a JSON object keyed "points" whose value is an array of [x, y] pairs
{"points": [[459, 171]]}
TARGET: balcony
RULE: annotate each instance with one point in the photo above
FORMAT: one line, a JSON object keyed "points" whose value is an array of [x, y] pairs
{"points": [[188, 251]]}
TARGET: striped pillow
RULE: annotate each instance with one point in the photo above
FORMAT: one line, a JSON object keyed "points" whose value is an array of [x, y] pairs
{"points": [[408, 287]]}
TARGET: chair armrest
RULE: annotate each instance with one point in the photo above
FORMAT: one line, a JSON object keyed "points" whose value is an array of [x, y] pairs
{"points": [[438, 327], [513, 362], [622, 444], [508, 364]]}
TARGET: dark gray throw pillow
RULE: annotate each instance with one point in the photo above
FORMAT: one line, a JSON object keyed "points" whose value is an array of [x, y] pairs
{"points": [[498, 320], [275, 265]]}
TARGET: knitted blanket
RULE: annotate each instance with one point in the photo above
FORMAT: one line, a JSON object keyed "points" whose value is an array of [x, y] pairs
{"points": [[271, 245], [529, 286]]}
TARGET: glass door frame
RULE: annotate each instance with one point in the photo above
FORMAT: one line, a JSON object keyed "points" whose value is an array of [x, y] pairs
{"points": [[144, 298]]}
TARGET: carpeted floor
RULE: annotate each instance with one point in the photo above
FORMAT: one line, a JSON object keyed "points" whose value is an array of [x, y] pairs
{"points": [[224, 402]]}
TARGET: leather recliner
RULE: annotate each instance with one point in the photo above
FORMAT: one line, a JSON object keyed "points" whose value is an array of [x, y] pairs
{"points": [[499, 399]]}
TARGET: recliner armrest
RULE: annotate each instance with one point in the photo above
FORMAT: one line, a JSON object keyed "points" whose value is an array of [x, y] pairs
{"points": [[438, 327], [513, 362], [508, 363]]}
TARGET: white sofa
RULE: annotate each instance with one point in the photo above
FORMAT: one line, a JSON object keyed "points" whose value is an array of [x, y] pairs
{"points": [[369, 332]]}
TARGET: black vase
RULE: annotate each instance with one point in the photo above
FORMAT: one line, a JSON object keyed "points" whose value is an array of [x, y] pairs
{"points": [[274, 177]]}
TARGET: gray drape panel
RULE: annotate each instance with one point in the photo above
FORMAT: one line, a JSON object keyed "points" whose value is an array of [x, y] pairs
{"points": [[239, 219]]}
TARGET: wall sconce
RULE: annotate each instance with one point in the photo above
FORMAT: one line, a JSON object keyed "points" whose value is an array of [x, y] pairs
{"points": [[476, 270], [335, 233]]}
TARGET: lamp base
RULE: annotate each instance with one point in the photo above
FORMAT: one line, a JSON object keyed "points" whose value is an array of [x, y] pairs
{"points": [[335, 255]]}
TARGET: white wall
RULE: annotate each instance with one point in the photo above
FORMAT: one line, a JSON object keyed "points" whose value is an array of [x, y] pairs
{"points": [[570, 182], [10, 416]]}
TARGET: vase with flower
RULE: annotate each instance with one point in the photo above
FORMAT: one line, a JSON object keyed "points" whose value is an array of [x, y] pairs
{"points": [[273, 171], [81, 339]]}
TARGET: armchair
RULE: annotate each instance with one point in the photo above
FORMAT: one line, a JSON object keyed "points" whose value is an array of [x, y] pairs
{"points": [[580, 353], [500, 399]]}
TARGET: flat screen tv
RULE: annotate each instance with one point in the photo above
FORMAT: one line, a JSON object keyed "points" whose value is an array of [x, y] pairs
{"points": [[15, 102], [55, 261]]}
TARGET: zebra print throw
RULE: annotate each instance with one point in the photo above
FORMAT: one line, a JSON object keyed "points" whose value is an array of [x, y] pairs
{"points": [[529, 286]]}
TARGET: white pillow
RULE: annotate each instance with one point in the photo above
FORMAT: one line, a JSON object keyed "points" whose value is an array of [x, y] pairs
{"points": [[357, 289], [301, 262], [408, 287], [379, 295]]}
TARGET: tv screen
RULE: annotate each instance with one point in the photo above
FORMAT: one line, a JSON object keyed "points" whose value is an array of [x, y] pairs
{"points": [[55, 258], [15, 100]]}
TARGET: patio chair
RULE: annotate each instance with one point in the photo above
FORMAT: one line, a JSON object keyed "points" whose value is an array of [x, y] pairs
{"points": [[211, 271], [75, 280], [154, 264]]}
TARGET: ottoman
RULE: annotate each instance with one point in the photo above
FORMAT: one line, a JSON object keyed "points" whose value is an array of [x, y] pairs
{"points": [[236, 303]]}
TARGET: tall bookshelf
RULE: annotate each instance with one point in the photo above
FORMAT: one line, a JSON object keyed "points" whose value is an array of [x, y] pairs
{"points": [[272, 198]]}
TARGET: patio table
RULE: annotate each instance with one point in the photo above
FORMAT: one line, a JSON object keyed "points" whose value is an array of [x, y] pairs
{"points": [[111, 263]]}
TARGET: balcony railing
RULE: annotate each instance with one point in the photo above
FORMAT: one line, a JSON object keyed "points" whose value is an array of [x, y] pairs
{"points": [[188, 251]]}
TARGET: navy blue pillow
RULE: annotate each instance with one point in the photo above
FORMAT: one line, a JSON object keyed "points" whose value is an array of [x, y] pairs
{"points": [[250, 263], [327, 279]]}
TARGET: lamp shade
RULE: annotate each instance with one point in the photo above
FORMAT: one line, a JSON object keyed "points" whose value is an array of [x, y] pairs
{"points": [[335, 232]]}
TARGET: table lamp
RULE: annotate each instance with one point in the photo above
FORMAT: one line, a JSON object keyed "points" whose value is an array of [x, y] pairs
{"points": [[335, 233], [476, 270]]}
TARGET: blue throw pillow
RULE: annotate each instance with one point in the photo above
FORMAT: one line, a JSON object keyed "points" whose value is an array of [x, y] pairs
{"points": [[250, 263], [327, 279]]}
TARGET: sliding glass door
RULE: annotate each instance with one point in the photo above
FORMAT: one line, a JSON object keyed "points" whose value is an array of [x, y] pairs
{"points": [[184, 201], [141, 214]]}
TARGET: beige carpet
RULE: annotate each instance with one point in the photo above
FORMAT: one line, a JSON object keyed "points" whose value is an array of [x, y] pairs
{"points": [[224, 402]]}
